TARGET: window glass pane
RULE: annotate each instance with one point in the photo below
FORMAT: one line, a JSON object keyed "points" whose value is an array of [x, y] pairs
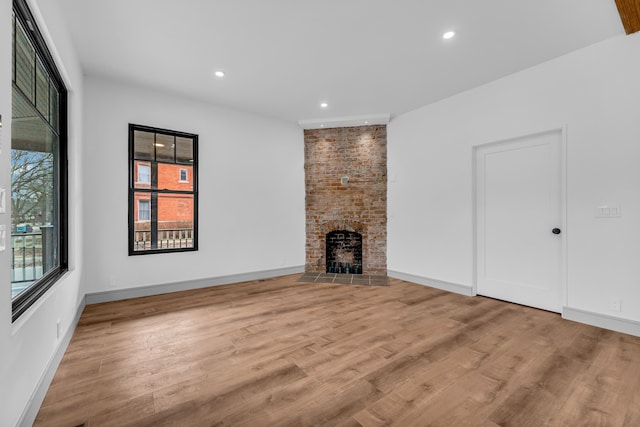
{"points": [[35, 215], [25, 62], [175, 221], [142, 226], [42, 89], [169, 177], [165, 146], [184, 150], [143, 145]]}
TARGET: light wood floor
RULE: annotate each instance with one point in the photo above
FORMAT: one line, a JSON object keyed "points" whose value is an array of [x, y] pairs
{"points": [[282, 353]]}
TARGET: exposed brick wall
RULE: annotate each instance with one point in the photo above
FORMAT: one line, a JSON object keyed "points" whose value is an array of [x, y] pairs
{"points": [[359, 153], [169, 177]]}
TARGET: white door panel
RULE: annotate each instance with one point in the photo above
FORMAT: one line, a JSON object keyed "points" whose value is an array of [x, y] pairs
{"points": [[518, 187]]}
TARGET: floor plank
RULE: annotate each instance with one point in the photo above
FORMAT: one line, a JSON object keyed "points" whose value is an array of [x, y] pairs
{"points": [[280, 352]]}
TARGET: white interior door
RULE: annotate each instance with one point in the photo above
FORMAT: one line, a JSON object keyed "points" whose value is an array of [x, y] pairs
{"points": [[519, 208]]}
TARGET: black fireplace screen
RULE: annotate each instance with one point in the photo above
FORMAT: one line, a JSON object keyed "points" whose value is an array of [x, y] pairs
{"points": [[344, 252]]}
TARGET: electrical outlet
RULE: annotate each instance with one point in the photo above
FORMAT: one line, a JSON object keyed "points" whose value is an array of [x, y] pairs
{"points": [[615, 305]]}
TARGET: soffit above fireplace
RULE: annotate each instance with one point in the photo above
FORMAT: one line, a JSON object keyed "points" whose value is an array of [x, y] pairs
{"points": [[343, 122]]}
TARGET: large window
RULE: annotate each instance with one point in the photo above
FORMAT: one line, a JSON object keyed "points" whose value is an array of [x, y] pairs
{"points": [[38, 165], [163, 193]]}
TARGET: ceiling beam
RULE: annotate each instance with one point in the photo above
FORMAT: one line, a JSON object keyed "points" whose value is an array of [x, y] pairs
{"points": [[630, 14]]}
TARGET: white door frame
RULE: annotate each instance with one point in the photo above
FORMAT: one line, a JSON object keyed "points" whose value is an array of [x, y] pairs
{"points": [[563, 205]]}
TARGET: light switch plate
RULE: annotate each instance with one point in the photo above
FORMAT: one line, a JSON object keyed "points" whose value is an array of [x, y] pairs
{"points": [[3, 239], [3, 200], [608, 211]]}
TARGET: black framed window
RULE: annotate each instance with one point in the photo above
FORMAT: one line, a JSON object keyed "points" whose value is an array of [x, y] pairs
{"points": [[163, 190], [38, 165]]}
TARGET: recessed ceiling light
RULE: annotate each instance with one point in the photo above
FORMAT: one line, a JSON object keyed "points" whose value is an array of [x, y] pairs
{"points": [[321, 126], [219, 73], [448, 35], [366, 122], [324, 105]]}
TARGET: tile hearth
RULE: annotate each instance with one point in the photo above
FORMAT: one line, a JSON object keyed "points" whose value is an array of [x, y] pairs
{"points": [[344, 279]]}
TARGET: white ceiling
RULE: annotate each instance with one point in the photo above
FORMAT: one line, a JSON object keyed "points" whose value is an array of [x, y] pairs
{"points": [[282, 58]]}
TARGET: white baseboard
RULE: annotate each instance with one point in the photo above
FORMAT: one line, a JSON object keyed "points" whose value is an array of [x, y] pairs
{"points": [[33, 406], [433, 283], [605, 321], [165, 288]]}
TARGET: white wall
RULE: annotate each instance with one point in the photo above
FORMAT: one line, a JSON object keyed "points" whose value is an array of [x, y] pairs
{"points": [[28, 345], [594, 92], [251, 189]]}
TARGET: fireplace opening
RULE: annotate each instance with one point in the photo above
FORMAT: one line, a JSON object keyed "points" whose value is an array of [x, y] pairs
{"points": [[344, 252]]}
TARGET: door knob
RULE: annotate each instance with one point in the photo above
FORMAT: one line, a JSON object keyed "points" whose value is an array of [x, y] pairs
{"points": [[556, 231]]}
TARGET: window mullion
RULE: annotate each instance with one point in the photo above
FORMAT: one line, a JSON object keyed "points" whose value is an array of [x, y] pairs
{"points": [[35, 77], [154, 205], [14, 49]]}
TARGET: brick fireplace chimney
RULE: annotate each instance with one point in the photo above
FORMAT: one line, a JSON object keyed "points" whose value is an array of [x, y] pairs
{"points": [[346, 189]]}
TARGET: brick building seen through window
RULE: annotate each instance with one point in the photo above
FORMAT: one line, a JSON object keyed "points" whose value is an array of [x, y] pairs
{"points": [[176, 209]]}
